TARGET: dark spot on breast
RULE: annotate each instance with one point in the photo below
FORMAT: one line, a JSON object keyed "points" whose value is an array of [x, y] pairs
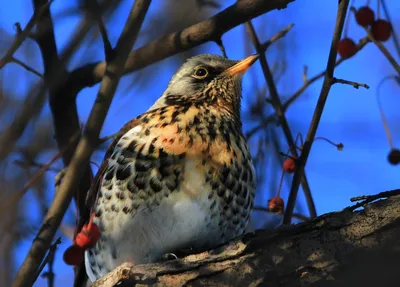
{"points": [[131, 187], [120, 195], [182, 155], [122, 160], [213, 204], [171, 140], [214, 185], [145, 120], [142, 166], [235, 210], [230, 182], [109, 173], [123, 173], [164, 171], [127, 153], [147, 132], [140, 154], [171, 185], [196, 120], [152, 147], [162, 118], [221, 192], [114, 208], [229, 198], [224, 173], [190, 142], [155, 185], [98, 212], [126, 210], [140, 182]]}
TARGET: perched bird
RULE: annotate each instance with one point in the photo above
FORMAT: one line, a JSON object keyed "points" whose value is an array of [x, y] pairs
{"points": [[179, 176]]}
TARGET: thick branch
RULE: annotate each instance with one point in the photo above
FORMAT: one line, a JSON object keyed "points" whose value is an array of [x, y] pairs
{"points": [[344, 248], [208, 30]]}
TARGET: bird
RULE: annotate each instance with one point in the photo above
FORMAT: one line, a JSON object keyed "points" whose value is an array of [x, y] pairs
{"points": [[179, 176]]}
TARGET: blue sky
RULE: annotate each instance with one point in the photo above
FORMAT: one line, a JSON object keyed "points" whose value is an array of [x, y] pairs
{"points": [[351, 116]]}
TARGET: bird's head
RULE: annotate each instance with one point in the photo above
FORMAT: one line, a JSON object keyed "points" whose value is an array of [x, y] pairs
{"points": [[209, 79]]}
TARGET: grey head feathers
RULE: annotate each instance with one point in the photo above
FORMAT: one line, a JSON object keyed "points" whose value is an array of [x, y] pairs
{"points": [[186, 83]]}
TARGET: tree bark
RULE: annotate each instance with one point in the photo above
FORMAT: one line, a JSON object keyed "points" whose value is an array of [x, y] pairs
{"points": [[346, 248]]}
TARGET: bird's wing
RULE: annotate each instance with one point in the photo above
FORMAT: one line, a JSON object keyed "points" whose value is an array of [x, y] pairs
{"points": [[94, 188]]}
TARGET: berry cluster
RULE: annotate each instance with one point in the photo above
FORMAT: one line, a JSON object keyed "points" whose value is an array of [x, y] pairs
{"points": [[276, 204], [86, 238], [380, 29]]}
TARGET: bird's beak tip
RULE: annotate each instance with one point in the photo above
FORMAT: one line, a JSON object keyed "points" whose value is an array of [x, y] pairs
{"points": [[242, 66]]}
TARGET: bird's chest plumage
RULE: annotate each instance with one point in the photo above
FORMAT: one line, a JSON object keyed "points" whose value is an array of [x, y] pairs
{"points": [[181, 178]]}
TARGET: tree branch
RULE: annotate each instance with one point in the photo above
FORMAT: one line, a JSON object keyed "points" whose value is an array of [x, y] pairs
{"points": [[26, 274], [208, 30], [344, 248], [22, 35], [307, 82], [328, 80], [277, 104]]}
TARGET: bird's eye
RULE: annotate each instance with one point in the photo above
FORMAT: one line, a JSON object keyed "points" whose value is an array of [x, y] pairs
{"points": [[200, 73]]}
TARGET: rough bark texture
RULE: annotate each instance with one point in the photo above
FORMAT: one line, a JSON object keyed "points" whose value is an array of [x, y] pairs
{"points": [[347, 248]]}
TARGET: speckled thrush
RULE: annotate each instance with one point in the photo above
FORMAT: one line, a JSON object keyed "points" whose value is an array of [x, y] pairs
{"points": [[179, 176]]}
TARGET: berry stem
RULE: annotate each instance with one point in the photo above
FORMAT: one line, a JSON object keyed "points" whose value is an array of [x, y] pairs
{"points": [[280, 183], [383, 117], [299, 137], [379, 9], [327, 140]]}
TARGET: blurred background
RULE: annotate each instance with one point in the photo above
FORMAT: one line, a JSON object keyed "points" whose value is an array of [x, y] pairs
{"points": [[351, 115]]}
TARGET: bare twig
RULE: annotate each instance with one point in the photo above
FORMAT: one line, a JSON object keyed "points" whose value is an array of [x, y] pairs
{"points": [[308, 82], [366, 199], [280, 113], [18, 195], [26, 274], [221, 47], [276, 37], [26, 67], [35, 164], [50, 260], [23, 34], [94, 8], [298, 175], [351, 83]]}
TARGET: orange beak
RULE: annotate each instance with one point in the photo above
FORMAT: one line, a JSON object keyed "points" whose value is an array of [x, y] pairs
{"points": [[242, 66]]}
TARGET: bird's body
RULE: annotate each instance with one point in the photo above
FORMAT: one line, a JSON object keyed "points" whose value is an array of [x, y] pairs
{"points": [[179, 176]]}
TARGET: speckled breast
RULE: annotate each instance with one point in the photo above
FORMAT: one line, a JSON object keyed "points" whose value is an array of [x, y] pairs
{"points": [[180, 177]]}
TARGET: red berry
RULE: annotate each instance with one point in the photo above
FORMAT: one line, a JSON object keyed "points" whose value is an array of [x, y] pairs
{"points": [[365, 16], [276, 205], [381, 30], [346, 48], [73, 255], [289, 165], [88, 236]]}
